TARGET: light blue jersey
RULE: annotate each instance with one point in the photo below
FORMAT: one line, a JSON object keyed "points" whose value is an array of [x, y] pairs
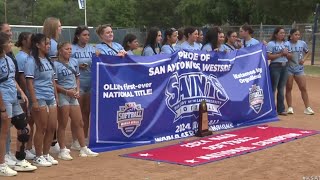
{"points": [[249, 43], [64, 76], [276, 47], [194, 46], [177, 46], [167, 49], [53, 52], [148, 51], [207, 47], [21, 57], [200, 44], [42, 78], [84, 56], [298, 50], [8, 88], [130, 52], [227, 48], [113, 50]]}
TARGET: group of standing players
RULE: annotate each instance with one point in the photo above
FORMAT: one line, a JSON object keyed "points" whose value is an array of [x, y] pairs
{"points": [[47, 82], [42, 86]]}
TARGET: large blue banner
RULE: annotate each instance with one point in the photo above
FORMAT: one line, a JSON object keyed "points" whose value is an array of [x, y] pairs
{"points": [[140, 100]]}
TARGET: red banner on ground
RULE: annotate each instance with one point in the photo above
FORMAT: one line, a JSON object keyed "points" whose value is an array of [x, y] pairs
{"points": [[221, 146]]}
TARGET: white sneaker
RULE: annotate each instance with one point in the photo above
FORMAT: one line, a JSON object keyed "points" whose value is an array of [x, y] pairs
{"points": [[290, 110], [55, 149], [24, 165], [67, 149], [41, 161], [11, 163], [86, 152], [75, 145], [33, 150], [5, 170], [65, 155], [50, 159], [308, 111], [12, 156], [29, 155]]}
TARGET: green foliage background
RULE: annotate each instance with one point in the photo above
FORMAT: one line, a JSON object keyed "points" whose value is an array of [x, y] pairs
{"points": [[161, 13]]}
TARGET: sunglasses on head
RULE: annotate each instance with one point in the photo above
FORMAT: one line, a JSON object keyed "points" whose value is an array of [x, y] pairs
{"points": [[172, 30]]}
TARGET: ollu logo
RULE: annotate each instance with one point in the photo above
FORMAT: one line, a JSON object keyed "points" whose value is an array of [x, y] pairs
{"points": [[184, 93], [256, 98], [129, 118]]}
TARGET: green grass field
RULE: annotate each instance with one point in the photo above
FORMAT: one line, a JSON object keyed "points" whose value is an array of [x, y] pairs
{"points": [[312, 70]]}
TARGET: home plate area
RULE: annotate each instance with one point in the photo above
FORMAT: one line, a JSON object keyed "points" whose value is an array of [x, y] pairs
{"points": [[221, 146]]}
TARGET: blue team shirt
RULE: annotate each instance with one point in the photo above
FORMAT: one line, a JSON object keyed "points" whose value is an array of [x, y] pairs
{"points": [[226, 48], [105, 49], [130, 52], [167, 49], [53, 52], [42, 77], [8, 88], [148, 51], [298, 50], [276, 47], [207, 47], [177, 46], [21, 58], [249, 43], [200, 44], [186, 45], [64, 76], [83, 55]]}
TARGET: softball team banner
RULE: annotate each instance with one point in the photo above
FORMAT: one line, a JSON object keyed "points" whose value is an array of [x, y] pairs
{"points": [[140, 100]]}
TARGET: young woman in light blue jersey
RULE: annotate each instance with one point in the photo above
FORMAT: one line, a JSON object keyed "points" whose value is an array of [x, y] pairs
{"points": [[200, 37], [211, 39], [39, 72], [191, 35], [221, 40], [170, 38], [82, 51], [153, 41], [180, 40], [24, 43], [279, 52], [5, 28], [107, 46], [68, 87], [130, 43], [245, 33], [296, 71], [231, 42], [5, 170], [8, 89], [52, 29]]}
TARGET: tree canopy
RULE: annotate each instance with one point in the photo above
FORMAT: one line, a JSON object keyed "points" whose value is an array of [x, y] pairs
{"points": [[161, 13]]}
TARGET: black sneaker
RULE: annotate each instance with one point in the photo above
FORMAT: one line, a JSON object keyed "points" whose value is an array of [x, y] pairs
{"points": [[283, 113]]}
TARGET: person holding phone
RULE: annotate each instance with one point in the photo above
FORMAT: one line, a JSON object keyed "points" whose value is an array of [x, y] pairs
{"points": [[82, 51]]}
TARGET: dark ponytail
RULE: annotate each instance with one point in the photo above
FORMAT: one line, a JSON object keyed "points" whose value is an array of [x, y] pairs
{"points": [[37, 39], [22, 36], [292, 31]]}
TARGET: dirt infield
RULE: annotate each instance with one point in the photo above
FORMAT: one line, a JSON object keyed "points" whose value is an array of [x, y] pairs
{"points": [[292, 160]]}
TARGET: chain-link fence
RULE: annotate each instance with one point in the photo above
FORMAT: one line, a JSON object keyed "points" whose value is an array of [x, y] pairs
{"points": [[67, 33]]}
